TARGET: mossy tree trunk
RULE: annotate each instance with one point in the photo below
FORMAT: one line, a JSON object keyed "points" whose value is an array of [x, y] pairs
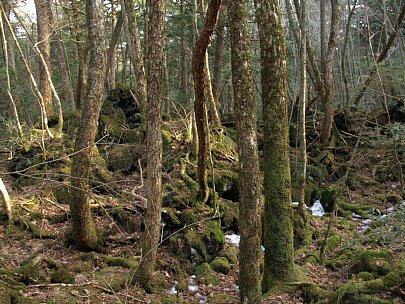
{"points": [[45, 49], [200, 88], [83, 228], [112, 50], [155, 89], [249, 180], [278, 231]]}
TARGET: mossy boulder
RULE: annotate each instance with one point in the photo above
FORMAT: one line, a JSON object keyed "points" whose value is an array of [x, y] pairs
{"points": [[374, 261], [214, 237], [205, 273], [121, 216], [332, 242], [230, 253], [120, 158], [101, 178], [227, 184], [221, 264], [229, 212], [195, 247]]}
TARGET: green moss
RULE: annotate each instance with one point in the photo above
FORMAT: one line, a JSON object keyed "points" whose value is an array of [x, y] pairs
{"points": [[365, 276], [62, 275], [182, 284], [231, 254], [214, 236], [188, 216], [194, 242], [393, 278], [30, 274], [393, 198], [374, 261], [221, 264], [355, 208], [119, 158], [229, 212], [167, 140], [131, 263], [171, 215], [134, 136], [333, 242], [221, 299], [121, 216], [205, 272]]}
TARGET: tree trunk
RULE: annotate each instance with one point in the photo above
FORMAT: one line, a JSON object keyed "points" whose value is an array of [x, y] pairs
{"points": [[328, 79], [61, 57], [45, 49], [135, 52], [6, 201], [249, 177], [155, 88], [216, 82], [278, 231], [83, 228], [110, 83], [200, 85]]}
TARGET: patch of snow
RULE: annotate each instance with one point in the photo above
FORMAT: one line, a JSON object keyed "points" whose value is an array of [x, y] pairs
{"points": [[233, 239], [390, 210], [356, 216], [317, 209], [173, 290]]}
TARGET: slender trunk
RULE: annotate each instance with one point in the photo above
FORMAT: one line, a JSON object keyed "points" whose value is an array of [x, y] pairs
{"points": [[45, 48], [216, 83], [250, 189], [328, 79], [110, 83], [83, 228], [62, 62], [200, 84], [155, 88], [6, 201], [135, 52]]}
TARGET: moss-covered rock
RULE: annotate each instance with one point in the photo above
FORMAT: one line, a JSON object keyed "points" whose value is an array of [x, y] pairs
{"points": [[207, 274], [365, 276], [101, 178], [373, 261], [195, 247], [221, 264], [214, 237], [230, 253], [332, 242], [121, 216], [120, 158], [229, 212]]}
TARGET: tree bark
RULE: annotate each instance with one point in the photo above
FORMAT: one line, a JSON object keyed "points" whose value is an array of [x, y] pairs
{"points": [[155, 88], [110, 79], [328, 79], [45, 49], [83, 228], [200, 85], [216, 81], [61, 57], [249, 177], [135, 52], [278, 231]]}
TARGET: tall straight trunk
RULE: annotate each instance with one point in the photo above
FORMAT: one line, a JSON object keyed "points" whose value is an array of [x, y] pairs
{"points": [[249, 177], [81, 52], [344, 50], [322, 21], [302, 110], [135, 52], [83, 228], [278, 230], [110, 83], [155, 89], [9, 39], [8, 94], [328, 79], [45, 49], [61, 57], [216, 81], [200, 87], [183, 58]]}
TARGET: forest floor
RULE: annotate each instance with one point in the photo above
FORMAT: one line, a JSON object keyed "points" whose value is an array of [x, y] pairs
{"points": [[365, 247]]}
